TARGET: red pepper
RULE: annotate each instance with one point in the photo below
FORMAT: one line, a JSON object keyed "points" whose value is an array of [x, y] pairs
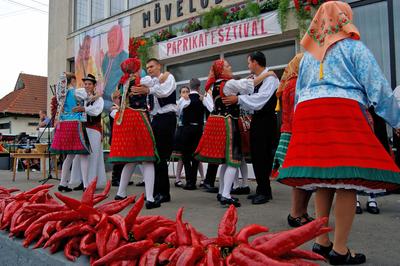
{"points": [[159, 235], [39, 196], [40, 242], [103, 233], [103, 195], [89, 213], [45, 207], [208, 241], [55, 247], [246, 256], [66, 216], [195, 237], [142, 230], [38, 188], [303, 254], [119, 222], [226, 241], [229, 261], [9, 212], [71, 249], [88, 244], [130, 218], [23, 225], [73, 204], [173, 259], [182, 233], [262, 239], [227, 226], [164, 256], [87, 196], [288, 240], [113, 240], [69, 231], [115, 206], [129, 251], [250, 230], [150, 257], [171, 239], [35, 233], [48, 229], [213, 256], [190, 256]]}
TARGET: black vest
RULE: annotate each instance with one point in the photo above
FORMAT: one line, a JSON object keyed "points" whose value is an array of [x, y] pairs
{"points": [[135, 101], [219, 107], [269, 107], [92, 120], [171, 99], [194, 112]]}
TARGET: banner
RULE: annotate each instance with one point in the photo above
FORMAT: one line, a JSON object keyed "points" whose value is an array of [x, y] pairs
{"points": [[239, 31]]}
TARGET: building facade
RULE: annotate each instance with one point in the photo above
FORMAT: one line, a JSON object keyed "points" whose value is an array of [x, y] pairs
{"points": [[73, 22]]}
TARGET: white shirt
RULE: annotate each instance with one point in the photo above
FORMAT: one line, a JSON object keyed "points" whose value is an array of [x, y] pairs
{"points": [[207, 102], [96, 108], [256, 101], [81, 94], [241, 86], [162, 91]]}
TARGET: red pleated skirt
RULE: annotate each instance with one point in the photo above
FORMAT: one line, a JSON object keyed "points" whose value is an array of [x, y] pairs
{"points": [[133, 139], [70, 138], [332, 145]]}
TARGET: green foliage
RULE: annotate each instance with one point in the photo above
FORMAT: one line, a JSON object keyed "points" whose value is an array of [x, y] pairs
{"points": [[251, 10], [282, 13], [269, 5], [144, 50], [215, 17]]}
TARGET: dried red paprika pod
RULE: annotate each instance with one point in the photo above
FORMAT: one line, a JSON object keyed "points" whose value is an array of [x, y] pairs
{"points": [[250, 230]]}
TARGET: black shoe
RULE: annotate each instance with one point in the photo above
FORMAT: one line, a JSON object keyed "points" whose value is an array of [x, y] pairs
{"points": [[115, 184], [308, 218], [201, 183], [322, 250], [140, 184], [260, 199], [372, 207], [252, 196], [219, 196], [64, 188], [80, 187], [178, 183], [162, 198], [190, 187], [347, 259], [294, 221], [130, 183], [358, 208], [241, 190], [152, 204], [119, 197], [226, 202]]}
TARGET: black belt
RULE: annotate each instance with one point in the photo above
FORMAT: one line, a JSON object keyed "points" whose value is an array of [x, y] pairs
{"points": [[166, 114], [193, 124]]}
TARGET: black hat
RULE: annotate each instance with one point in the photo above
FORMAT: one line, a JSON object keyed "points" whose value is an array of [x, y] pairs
{"points": [[91, 78]]}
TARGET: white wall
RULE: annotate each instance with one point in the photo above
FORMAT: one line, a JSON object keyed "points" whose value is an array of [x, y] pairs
{"points": [[19, 124]]}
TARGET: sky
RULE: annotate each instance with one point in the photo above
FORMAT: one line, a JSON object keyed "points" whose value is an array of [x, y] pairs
{"points": [[23, 42]]}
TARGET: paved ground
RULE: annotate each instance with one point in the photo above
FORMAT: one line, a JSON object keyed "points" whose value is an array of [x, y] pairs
{"points": [[376, 235]]}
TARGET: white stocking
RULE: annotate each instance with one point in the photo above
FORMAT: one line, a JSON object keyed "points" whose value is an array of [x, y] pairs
{"points": [[244, 172], [236, 182], [84, 160], [179, 167], [229, 177], [126, 174], [201, 171], [66, 170], [221, 178], [148, 175]]}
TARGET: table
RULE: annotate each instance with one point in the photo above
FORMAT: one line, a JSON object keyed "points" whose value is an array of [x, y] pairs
{"points": [[41, 156]]}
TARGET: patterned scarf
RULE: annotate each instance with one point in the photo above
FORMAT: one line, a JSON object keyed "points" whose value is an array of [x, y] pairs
{"points": [[216, 73]]}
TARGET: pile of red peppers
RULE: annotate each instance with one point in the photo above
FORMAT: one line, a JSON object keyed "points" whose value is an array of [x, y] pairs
{"points": [[95, 229]]}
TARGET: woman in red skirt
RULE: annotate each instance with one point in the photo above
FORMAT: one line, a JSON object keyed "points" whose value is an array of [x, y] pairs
{"points": [[333, 149], [220, 142]]}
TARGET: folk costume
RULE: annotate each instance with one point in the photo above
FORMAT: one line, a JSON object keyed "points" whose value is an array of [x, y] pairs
{"points": [[70, 136], [332, 145], [133, 139], [220, 142], [163, 97], [91, 165], [262, 133]]}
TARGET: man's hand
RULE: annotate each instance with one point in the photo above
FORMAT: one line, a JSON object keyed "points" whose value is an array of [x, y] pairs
{"points": [[78, 109], [164, 77], [141, 90], [230, 100]]}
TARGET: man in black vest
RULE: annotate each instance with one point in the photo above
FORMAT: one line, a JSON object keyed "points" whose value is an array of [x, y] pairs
{"points": [[193, 122], [263, 125], [163, 95]]}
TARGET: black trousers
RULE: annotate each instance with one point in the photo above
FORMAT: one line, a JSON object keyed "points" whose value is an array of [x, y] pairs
{"points": [[211, 174], [262, 136], [116, 172], [163, 126], [190, 139]]}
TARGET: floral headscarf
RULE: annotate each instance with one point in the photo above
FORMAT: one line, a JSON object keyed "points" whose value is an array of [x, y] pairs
{"points": [[291, 71], [215, 73], [331, 23]]}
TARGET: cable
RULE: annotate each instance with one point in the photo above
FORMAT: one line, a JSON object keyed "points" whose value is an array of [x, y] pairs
{"points": [[31, 7]]}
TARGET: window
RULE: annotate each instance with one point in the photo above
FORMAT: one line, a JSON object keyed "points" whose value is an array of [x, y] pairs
{"points": [[71, 64], [5, 125], [135, 3], [33, 124], [98, 10], [117, 6], [82, 17]]}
